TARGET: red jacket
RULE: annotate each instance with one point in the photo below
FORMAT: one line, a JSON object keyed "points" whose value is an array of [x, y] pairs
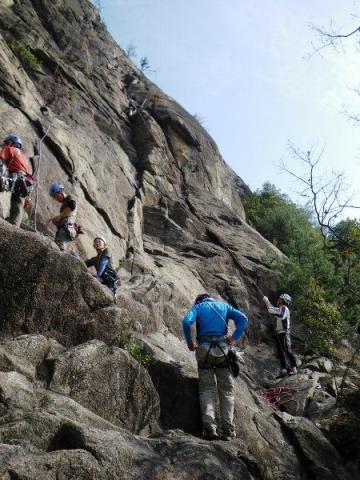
{"points": [[15, 160]]}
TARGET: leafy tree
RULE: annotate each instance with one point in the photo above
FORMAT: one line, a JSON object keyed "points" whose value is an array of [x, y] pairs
{"points": [[322, 318], [326, 293], [279, 220]]}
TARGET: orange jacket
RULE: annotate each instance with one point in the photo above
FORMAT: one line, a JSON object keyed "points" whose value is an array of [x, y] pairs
{"points": [[15, 160]]}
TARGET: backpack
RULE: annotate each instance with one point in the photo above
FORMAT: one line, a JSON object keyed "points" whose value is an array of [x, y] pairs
{"points": [[109, 275]]}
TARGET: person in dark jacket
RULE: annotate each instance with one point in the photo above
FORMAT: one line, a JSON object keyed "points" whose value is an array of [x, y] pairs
{"points": [[282, 333], [65, 222], [212, 319], [102, 263]]}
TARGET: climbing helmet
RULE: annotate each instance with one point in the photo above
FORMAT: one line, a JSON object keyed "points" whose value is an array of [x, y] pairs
{"points": [[14, 139], [98, 237], [55, 188], [286, 297]]}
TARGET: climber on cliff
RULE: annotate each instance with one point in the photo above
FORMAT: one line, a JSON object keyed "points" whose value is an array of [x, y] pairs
{"points": [[211, 317], [65, 222], [282, 333], [18, 180], [102, 262]]}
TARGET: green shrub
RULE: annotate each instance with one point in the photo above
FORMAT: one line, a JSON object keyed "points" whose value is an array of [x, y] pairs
{"points": [[138, 353], [125, 340], [25, 55], [71, 95]]}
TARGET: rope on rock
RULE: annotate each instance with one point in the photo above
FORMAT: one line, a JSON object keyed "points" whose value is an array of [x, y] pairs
{"points": [[36, 176], [276, 397]]}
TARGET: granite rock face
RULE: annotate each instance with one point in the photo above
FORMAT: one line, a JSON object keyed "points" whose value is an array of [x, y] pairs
{"points": [[154, 184], [74, 404]]}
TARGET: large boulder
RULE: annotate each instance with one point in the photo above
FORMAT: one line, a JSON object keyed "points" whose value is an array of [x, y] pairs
{"points": [[45, 291], [109, 382]]}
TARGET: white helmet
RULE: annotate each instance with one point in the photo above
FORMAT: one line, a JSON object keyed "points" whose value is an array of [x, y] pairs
{"points": [[100, 238], [286, 297]]}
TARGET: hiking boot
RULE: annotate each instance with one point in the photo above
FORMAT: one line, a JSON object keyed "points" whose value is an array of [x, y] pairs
{"points": [[210, 435], [293, 371], [227, 436]]}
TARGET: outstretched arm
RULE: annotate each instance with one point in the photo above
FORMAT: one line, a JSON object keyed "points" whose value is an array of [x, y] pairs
{"points": [[271, 309]]}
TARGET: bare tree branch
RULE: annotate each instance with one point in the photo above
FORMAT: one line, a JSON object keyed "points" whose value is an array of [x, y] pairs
{"points": [[332, 35], [328, 37], [326, 196]]}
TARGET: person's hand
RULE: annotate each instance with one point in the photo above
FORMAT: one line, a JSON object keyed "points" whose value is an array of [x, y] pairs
{"points": [[55, 220], [265, 299], [191, 346], [230, 340], [118, 282]]}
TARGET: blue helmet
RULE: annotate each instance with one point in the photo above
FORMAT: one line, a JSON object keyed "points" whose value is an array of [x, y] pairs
{"points": [[14, 139], [55, 188]]}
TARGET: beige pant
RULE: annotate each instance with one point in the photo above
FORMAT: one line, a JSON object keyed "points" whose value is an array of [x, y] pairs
{"points": [[210, 380]]}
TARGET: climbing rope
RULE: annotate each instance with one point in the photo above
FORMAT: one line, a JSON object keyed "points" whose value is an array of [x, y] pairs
{"points": [[276, 397], [36, 176]]}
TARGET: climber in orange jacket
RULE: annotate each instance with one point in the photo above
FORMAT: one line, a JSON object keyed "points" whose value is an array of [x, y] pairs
{"points": [[18, 168]]}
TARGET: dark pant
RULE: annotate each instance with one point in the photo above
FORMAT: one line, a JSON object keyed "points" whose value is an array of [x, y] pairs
{"points": [[18, 194], [287, 359], [16, 209], [110, 283]]}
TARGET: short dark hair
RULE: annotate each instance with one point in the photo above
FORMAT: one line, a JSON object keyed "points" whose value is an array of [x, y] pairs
{"points": [[200, 298]]}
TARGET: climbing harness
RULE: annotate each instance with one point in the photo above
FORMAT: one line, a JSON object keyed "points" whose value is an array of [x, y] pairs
{"points": [[278, 397], [213, 342], [71, 228], [17, 183], [231, 356]]}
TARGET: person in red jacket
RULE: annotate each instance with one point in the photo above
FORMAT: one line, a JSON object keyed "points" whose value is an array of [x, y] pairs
{"points": [[18, 168]]}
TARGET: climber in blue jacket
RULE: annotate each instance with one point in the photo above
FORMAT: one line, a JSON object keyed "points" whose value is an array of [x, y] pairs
{"points": [[102, 263], [211, 351]]}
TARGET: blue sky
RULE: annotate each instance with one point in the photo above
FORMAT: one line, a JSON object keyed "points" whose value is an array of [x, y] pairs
{"points": [[239, 65]]}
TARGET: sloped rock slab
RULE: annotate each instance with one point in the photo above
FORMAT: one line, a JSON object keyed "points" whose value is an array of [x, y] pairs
{"points": [[319, 457], [16, 462]]}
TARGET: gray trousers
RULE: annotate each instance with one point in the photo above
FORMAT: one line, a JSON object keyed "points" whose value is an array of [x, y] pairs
{"points": [[62, 237], [212, 379]]}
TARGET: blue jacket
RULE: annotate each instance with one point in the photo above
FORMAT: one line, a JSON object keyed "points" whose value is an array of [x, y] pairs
{"points": [[209, 322]]}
